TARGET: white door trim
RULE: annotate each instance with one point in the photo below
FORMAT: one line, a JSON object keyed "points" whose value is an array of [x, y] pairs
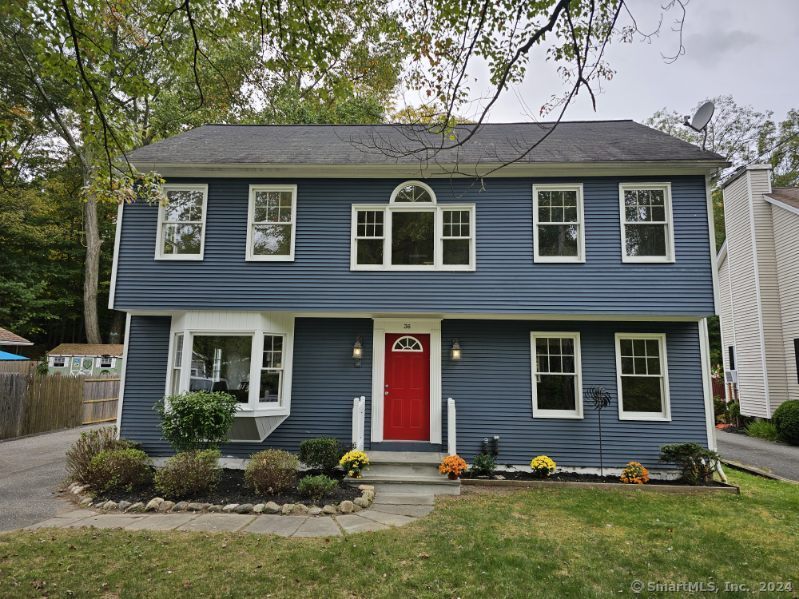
{"points": [[410, 326]]}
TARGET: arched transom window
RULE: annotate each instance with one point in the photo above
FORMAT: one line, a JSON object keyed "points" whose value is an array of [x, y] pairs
{"points": [[407, 344], [413, 232]]}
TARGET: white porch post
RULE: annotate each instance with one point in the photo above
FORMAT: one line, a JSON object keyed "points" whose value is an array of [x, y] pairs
{"points": [[451, 427], [358, 421]]}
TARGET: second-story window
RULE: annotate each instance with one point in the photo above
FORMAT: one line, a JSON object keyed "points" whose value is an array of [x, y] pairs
{"points": [[558, 217], [181, 223], [646, 222], [412, 232], [271, 227]]}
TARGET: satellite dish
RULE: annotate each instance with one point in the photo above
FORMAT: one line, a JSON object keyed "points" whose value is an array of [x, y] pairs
{"points": [[702, 117]]}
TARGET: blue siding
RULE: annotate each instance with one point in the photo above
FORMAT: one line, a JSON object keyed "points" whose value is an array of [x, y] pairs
{"points": [[491, 386], [324, 383], [492, 383], [506, 280]]}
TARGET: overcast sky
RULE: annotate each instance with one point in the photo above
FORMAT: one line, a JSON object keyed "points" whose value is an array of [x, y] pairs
{"points": [[747, 48]]}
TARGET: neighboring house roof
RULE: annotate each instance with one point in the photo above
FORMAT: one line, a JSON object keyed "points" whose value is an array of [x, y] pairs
{"points": [[785, 197], [569, 142], [9, 338], [88, 349], [5, 356]]}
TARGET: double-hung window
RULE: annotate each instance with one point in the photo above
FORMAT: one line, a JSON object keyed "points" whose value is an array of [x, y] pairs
{"points": [[642, 376], [646, 222], [557, 384], [181, 222], [558, 223], [271, 228], [272, 369], [413, 232], [177, 363]]}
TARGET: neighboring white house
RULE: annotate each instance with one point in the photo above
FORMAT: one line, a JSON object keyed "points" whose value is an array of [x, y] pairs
{"points": [[758, 268], [86, 359]]}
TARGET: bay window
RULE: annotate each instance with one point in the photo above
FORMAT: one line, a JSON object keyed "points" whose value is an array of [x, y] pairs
{"points": [[412, 232]]}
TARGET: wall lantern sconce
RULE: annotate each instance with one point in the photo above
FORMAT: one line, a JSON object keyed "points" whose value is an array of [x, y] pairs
{"points": [[455, 351], [357, 352]]}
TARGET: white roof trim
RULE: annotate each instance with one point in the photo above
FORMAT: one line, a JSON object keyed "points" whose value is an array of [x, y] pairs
{"points": [[781, 204]]}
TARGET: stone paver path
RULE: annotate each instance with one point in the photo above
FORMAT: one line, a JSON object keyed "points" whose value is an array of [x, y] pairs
{"points": [[387, 511]]}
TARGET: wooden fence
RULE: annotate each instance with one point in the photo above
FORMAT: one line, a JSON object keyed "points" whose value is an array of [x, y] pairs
{"points": [[100, 398], [36, 403], [18, 366]]}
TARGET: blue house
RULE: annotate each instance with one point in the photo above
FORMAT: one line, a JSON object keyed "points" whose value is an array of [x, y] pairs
{"points": [[346, 281]]}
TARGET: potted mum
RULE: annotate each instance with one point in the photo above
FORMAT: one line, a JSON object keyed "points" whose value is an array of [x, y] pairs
{"points": [[634, 473], [543, 466], [453, 466], [353, 462]]}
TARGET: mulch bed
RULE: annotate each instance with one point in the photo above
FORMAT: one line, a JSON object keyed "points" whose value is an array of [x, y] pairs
{"points": [[233, 489], [573, 477]]}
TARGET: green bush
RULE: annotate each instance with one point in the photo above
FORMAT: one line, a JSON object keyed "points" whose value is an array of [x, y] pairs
{"points": [[272, 471], [720, 409], [188, 474], [786, 420], [316, 487], [762, 429], [79, 456], [484, 464], [323, 453], [734, 413], [697, 463], [197, 420], [123, 469]]}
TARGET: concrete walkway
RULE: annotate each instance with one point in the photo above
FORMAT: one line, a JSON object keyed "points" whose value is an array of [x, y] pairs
{"points": [[30, 470], [775, 458], [387, 511]]}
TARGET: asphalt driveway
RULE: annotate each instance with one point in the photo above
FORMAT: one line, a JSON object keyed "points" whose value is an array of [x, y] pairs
{"points": [[31, 469], [777, 458]]}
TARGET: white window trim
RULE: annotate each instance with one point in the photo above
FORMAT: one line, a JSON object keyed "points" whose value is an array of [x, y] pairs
{"points": [[577, 413], [438, 251], [254, 324], [63, 359], [669, 258], [425, 186], [159, 246], [665, 414], [580, 257], [250, 257]]}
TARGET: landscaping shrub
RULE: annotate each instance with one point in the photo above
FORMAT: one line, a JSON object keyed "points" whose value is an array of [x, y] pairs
{"points": [[484, 464], [323, 453], [697, 463], [762, 429], [786, 420], [543, 466], [634, 473], [122, 469], [197, 420], [79, 456], [272, 471], [734, 413], [720, 409], [188, 474], [316, 487]]}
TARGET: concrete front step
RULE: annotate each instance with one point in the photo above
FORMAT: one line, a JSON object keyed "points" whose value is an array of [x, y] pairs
{"points": [[405, 457], [392, 469]]}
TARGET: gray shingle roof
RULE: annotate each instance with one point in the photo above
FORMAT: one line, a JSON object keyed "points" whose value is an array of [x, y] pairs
{"points": [[570, 142]]}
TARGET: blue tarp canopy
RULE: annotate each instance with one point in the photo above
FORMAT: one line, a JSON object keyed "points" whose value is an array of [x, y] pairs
{"points": [[4, 355]]}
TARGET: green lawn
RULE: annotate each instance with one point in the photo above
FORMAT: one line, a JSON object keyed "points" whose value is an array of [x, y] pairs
{"points": [[564, 543]]}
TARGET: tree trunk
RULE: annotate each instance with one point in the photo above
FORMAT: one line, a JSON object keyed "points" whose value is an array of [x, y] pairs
{"points": [[91, 269]]}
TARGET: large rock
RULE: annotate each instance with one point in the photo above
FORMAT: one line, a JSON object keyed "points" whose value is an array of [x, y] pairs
{"points": [[166, 506], [110, 505], [258, 508], [346, 507], [271, 507], [124, 505], [230, 507], [215, 508], [361, 501], [329, 509], [314, 511], [85, 501], [244, 508], [196, 507], [153, 504], [181, 506], [136, 507], [287, 508], [300, 509]]}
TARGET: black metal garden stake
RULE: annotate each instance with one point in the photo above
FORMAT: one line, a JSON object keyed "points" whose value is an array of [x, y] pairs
{"points": [[600, 400]]}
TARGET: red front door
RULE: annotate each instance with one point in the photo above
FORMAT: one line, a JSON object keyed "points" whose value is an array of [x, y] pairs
{"points": [[406, 393]]}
